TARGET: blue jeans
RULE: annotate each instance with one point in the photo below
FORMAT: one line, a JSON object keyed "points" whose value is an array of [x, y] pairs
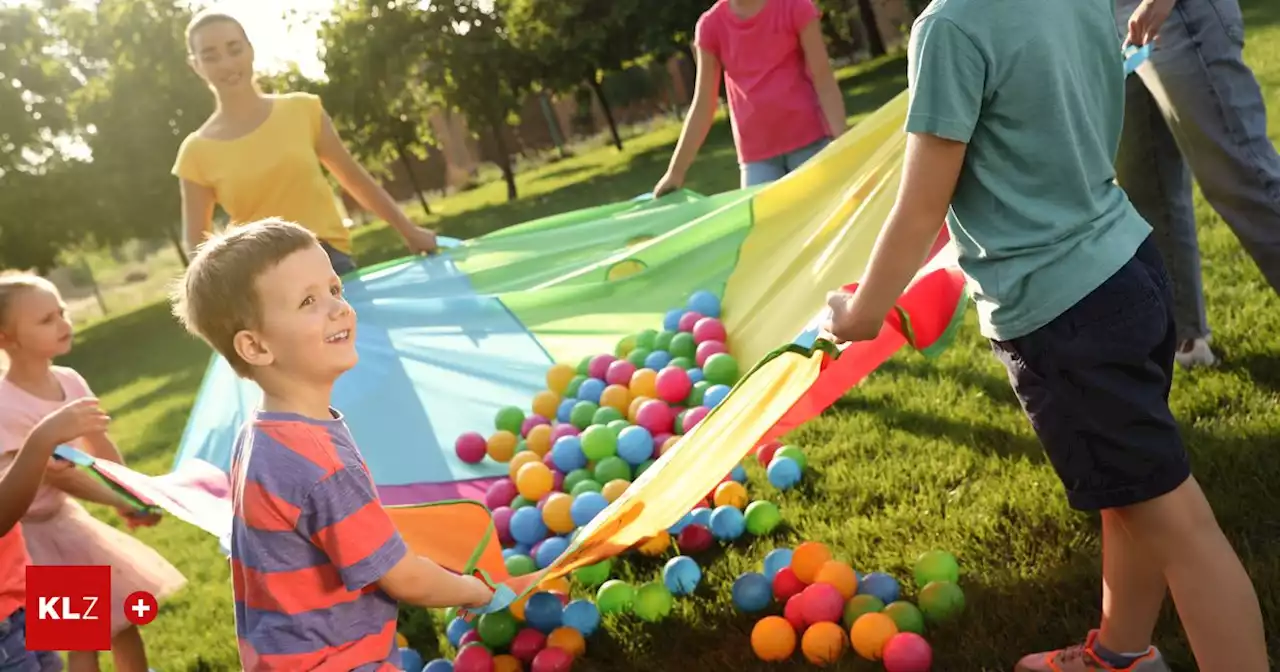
{"points": [[14, 656], [778, 167], [1195, 109], [342, 262]]}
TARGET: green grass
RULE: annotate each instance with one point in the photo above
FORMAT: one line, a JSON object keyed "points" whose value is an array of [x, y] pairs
{"points": [[924, 454]]}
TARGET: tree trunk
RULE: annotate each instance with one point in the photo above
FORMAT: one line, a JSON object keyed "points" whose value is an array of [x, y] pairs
{"points": [[690, 69], [413, 178], [594, 81], [508, 172], [875, 42], [553, 124]]}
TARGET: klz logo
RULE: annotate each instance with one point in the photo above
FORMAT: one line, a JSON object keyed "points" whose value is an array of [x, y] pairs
{"points": [[68, 608]]}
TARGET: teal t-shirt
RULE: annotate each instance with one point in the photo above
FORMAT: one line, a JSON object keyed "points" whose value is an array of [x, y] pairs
{"points": [[1036, 90]]}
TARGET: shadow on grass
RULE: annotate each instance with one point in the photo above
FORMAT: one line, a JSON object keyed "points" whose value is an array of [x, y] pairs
{"points": [[1260, 13]]}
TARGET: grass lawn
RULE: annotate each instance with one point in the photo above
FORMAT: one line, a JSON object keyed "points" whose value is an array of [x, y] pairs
{"points": [[924, 455]]}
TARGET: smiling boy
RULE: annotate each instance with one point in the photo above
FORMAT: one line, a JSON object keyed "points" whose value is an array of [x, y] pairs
{"points": [[317, 566]]}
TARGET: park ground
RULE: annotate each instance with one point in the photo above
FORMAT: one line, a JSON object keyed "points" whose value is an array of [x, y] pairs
{"points": [[926, 454]]}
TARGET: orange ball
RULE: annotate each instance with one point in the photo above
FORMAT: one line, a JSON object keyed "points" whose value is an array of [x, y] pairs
{"points": [[539, 440], [823, 643], [534, 481], [519, 460], [558, 378], [634, 407], [556, 513], [655, 545], [569, 639], [614, 489], [668, 445], [773, 639], [501, 445], [546, 403], [616, 397], [517, 607], [644, 383], [871, 632], [808, 558], [559, 584], [401, 640], [730, 493], [507, 663], [840, 575]]}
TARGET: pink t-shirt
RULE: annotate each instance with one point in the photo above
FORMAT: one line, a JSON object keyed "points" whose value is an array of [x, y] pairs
{"points": [[771, 96], [20, 412]]}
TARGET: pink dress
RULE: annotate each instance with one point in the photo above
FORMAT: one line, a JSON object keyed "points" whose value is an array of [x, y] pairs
{"points": [[58, 529]]}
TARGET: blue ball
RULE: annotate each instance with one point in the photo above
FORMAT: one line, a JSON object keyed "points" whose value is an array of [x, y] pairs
{"points": [[696, 375], [527, 526], [777, 559], [567, 454], [410, 659], [784, 473], [685, 521], [591, 389], [714, 395], [705, 303], [586, 506], [727, 523], [543, 612], [457, 628], [752, 592], [582, 616], [508, 552], [671, 321], [657, 360], [702, 516], [739, 474], [438, 665], [550, 549], [880, 585], [681, 575], [565, 409], [523, 549], [635, 445]]}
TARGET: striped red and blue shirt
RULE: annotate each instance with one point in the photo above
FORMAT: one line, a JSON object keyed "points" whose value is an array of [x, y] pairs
{"points": [[309, 542]]}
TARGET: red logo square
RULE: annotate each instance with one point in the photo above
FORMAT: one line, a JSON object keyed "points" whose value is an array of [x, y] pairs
{"points": [[68, 608]]}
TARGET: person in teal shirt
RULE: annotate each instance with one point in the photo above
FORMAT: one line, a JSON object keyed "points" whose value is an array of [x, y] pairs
{"points": [[1013, 125]]}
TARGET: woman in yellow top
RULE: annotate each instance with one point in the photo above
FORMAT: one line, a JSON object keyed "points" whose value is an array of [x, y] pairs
{"points": [[260, 155]]}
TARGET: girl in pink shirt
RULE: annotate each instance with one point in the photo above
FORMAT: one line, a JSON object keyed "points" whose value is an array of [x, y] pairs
{"points": [[783, 97]]}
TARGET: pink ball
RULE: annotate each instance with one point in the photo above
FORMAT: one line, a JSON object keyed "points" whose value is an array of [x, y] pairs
{"points": [[557, 478], [502, 522], [794, 613], [471, 636], [599, 366], [706, 349], [471, 447], [655, 416], [550, 659], [500, 494], [473, 658], [765, 453], [822, 602], [693, 416], [562, 430], [546, 459], [907, 652], [688, 320], [673, 384], [658, 441], [532, 421], [709, 329], [527, 644], [620, 373]]}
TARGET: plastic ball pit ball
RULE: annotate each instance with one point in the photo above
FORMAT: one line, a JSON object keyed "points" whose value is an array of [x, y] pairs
{"points": [[509, 419], [762, 517], [681, 575], [807, 559], [439, 665], [822, 603], [776, 559], [773, 639], [731, 493], [793, 611], [721, 369], [859, 605], [936, 566], [785, 584], [694, 539], [907, 652], [505, 663], [840, 575], [543, 612], [941, 601], [727, 523], [704, 303], [652, 602], [471, 447], [501, 446], [751, 592], [823, 643], [784, 473], [907, 616], [552, 659], [593, 575], [497, 629], [457, 628], [558, 377], [870, 633], [527, 644], [473, 658], [500, 493], [688, 320], [581, 615], [795, 454], [567, 640], [615, 597], [534, 480]]}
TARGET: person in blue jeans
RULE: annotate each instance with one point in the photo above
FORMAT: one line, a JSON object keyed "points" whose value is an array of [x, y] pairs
{"points": [[1195, 109]]}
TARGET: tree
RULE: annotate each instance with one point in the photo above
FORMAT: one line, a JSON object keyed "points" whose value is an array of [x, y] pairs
{"points": [[375, 101], [34, 87], [467, 60]]}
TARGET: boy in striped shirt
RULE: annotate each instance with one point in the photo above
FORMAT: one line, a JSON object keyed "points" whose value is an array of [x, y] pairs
{"points": [[317, 566]]}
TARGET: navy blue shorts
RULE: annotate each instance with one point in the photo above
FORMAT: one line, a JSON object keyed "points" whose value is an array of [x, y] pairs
{"points": [[342, 262], [1095, 384]]}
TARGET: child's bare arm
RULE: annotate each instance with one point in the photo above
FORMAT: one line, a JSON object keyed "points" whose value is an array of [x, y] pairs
{"points": [[419, 581], [824, 79], [19, 484]]}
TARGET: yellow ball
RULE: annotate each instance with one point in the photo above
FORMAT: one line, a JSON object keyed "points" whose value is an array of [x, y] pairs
{"points": [[839, 575], [506, 663], [731, 493], [634, 407], [539, 440], [519, 460], [517, 607], [534, 481], [823, 643], [655, 545], [502, 445], [558, 377], [546, 403], [617, 397], [668, 445], [559, 584], [556, 513], [614, 489], [569, 639], [401, 640], [644, 383], [870, 633]]}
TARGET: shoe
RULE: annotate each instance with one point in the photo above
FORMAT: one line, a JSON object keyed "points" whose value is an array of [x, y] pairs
{"points": [[1081, 658], [1195, 353]]}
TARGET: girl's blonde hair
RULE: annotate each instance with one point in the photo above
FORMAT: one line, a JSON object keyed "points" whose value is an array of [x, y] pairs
{"points": [[11, 285]]}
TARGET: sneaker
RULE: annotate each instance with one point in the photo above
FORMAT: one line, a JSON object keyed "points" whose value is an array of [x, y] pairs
{"points": [[1195, 353], [1081, 658]]}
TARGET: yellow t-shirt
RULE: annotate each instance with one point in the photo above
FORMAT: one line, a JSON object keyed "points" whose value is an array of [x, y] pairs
{"points": [[273, 171]]}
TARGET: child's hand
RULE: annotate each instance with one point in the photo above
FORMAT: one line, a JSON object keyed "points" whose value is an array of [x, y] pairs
{"points": [[1145, 22], [135, 519], [846, 323], [72, 421], [667, 184]]}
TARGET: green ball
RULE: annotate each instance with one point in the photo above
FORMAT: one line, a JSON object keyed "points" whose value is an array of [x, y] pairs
{"points": [[606, 415], [762, 517], [638, 355], [586, 485], [571, 390], [663, 340], [678, 423], [908, 617], [859, 605], [520, 502], [652, 602], [519, 565], [510, 419], [696, 394], [645, 338], [497, 629], [611, 469], [685, 363], [625, 345], [616, 426], [644, 466], [584, 365], [721, 369], [582, 414], [573, 478], [615, 597], [941, 601], [795, 454], [682, 345], [936, 566], [593, 575], [599, 442]]}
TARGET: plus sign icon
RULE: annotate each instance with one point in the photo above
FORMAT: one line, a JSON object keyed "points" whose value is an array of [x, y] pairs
{"points": [[140, 607]]}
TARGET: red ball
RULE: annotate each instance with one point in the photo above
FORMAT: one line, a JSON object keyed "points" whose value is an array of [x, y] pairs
{"points": [[620, 372], [708, 329], [706, 349], [673, 384], [471, 447], [473, 658], [599, 366], [786, 584], [907, 652], [688, 320], [558, 432], [694, 539], [794, 613], [655, 416], [693, 416], [766, 452], [472, 636], [500, 493], [822, 602], [527, 644], [550, 659]]}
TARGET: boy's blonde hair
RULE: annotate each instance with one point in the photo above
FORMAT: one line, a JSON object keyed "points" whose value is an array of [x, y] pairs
{"points": [[217, 297]]}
